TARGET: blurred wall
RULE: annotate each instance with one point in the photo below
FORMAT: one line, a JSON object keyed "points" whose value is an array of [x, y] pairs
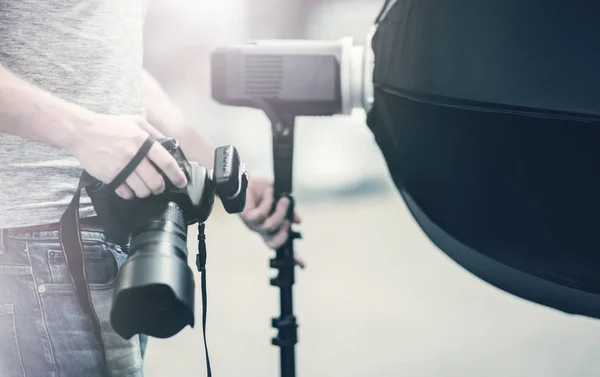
{"points": [[279, 19], [306, 19]]}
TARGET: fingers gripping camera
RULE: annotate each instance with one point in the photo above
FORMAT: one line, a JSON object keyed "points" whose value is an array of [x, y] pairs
{"points": [[155, 289], [228, 180]]}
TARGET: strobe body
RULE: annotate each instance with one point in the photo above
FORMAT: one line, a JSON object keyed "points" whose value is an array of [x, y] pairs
{"points": [[299, 77]]}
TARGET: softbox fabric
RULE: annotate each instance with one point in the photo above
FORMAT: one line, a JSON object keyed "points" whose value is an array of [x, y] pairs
{"points": [[532, 55], [487, 115]]}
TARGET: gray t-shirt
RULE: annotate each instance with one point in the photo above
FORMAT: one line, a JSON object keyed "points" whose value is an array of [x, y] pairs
{"points": [[87, 52]]}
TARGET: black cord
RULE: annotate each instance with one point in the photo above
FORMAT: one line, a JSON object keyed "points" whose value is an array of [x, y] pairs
{"points": [[201, 265]]}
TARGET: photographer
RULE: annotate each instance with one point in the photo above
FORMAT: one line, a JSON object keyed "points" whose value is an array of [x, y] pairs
{"points": [[73, 96]]}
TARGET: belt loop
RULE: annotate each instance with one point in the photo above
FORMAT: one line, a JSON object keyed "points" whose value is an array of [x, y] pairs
{"points": [[1, 241]]}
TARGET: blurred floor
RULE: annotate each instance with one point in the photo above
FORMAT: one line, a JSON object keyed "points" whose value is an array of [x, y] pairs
{"points": [[377, 299]]}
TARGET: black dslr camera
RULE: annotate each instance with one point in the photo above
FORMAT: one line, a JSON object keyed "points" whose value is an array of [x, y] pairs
{"points": [[155, 289]]}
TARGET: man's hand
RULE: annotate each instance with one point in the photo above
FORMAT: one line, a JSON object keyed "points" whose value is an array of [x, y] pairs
{"points": [[103, 144], [273, 227], [107, 143]]}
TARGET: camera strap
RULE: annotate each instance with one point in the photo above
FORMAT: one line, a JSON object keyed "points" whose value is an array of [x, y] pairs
{"points": [[72, 244], [201, 265]]}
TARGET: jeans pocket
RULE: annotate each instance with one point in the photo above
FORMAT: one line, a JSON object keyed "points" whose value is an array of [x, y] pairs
{"points": [[11, 363], [101, 264]]}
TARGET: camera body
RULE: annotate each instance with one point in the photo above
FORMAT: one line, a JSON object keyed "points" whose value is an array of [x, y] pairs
{"points": [[197, 198], [155, 288]]}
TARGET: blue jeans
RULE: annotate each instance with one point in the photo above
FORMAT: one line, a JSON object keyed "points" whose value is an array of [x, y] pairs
{"points": [[43, 331]]}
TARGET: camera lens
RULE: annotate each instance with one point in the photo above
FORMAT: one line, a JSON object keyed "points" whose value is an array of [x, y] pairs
{"points": [[154, 293]]}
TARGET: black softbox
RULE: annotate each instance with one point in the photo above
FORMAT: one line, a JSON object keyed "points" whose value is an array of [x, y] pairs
{"points": [[488, 115]]}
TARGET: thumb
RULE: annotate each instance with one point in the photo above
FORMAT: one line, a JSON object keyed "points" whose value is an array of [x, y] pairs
{"points": [[297, 218]]}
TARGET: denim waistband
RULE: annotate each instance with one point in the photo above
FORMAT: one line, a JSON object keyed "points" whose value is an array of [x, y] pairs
{"points": [[52, 235]]}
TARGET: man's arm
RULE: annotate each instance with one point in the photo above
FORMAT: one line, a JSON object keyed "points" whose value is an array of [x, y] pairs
{"points": [[30, 112], [103, 144], [168, 119]]}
